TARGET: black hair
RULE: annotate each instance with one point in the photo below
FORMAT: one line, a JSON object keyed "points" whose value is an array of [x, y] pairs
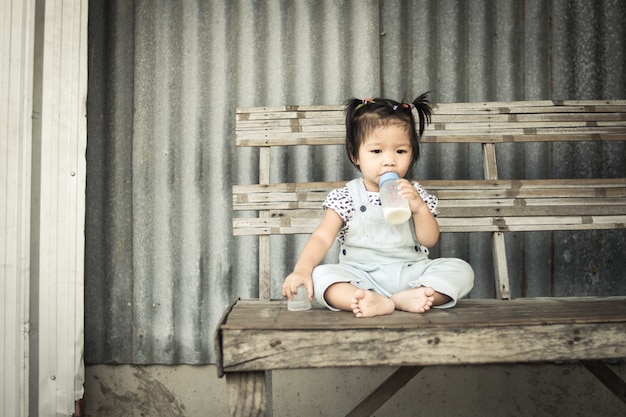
{"points": [[362, 116]]}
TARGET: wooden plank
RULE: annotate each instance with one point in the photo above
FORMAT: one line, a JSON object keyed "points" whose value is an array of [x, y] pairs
{"points": [[328, 138], [385, 391], [481, 218], [264, 268], [299, 206], [264, 165], [490, 166], [287, 187], [501, 270], [459, 193], [533, 103], [279, 349], [608, 377], [587, 124], [496, 202], [525, 183], [256, 315], [289, 109], [525, 117], [553, 123], [268, 336], [247, 394], [503, 107], [306, 225], [264, 241], [495, 104], [521, 224], [512, 186]]}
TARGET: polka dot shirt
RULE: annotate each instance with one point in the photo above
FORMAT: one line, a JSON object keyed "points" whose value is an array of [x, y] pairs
{"points": [[340, 200]]}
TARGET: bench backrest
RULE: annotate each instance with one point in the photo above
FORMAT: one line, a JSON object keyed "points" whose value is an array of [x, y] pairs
{"points": [[487, 205]]}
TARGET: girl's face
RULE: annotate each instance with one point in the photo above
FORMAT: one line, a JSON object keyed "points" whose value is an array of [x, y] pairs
{"points": [[384, 149]]}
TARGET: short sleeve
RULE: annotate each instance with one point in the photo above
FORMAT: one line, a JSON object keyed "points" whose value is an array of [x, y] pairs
{"points": [[431, 200], [341, 202]]}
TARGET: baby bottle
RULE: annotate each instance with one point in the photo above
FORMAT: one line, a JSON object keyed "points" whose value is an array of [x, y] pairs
{"points": [[395, 207]]}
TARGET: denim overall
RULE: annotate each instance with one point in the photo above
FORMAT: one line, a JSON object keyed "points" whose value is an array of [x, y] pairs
{"points": [[388, 258]]}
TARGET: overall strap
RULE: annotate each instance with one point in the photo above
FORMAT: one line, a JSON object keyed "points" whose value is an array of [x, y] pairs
{"points": [[358, 192]]}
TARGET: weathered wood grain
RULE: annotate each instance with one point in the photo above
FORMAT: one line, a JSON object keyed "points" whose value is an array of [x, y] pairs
{"points": [[466, 122], [476, 331], [247, 394]]}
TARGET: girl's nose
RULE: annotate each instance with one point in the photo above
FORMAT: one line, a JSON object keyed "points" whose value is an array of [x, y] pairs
{"points": [[389, 160]]}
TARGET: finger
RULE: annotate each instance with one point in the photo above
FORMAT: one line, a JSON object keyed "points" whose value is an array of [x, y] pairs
{"points": [[287, 291]]}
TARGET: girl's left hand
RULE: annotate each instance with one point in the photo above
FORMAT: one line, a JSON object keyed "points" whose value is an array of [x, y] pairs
{"points": [[408, 191]]}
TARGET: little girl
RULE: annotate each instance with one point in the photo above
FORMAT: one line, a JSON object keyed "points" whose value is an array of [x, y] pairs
{"points": [[382, 267]]}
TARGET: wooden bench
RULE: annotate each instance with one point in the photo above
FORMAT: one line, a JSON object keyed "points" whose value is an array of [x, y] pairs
{"points": [[257, 336]]}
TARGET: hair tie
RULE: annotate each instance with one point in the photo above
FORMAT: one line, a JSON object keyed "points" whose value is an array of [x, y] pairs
{"points": [[405, 105], [364, 102]]}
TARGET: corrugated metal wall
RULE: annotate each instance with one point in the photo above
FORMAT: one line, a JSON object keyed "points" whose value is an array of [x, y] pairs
{"points": [[165, 78]]}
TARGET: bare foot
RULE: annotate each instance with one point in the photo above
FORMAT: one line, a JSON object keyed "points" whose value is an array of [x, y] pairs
{"points": [[370, 304], [414, 300]]}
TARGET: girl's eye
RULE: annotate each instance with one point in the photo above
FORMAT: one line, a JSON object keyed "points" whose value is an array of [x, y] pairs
{"points": [[402, 151], [376, 150]]}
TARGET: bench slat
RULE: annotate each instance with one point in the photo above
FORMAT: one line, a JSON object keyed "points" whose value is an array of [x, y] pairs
{"points": [[325, 138], [257, 128], [546, 106], [267, 336], [442, 184], [447, 199], [445, 190], [474, 313], [513, 344], [478, 208], [304, 225]]}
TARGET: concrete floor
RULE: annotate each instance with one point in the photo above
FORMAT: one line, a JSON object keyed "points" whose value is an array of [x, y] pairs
{"points": [[566, 390]]}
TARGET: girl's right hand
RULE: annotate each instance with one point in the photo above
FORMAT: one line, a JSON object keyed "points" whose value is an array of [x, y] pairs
{"points": [[293, 281]]}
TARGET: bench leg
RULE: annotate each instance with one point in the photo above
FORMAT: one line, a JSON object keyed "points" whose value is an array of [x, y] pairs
{"points": [[384, 391], [248, 394], [609, 378]]}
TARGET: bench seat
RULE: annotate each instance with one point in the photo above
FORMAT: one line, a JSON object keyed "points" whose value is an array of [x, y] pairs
{"points": [[265, 335]]}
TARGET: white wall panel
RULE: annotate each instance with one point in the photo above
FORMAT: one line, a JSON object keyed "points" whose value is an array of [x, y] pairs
{"points": [[42, 175], [16, 52], [58, 210]]}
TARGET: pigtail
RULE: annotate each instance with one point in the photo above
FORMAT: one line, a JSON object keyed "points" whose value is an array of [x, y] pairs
{"points": [[424, 111], [351, 108]]}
